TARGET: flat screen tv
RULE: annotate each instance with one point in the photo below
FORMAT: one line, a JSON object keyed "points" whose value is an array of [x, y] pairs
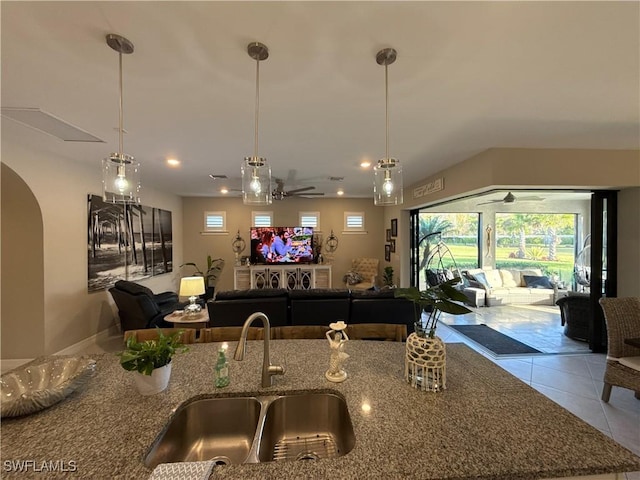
{"points": [[281, 245]]}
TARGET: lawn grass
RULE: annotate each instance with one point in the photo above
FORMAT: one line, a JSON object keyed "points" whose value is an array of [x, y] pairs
{"points": [[467, 257]]}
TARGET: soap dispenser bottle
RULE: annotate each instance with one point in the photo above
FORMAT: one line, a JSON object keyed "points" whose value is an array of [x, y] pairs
{"points": [[222, 369]]}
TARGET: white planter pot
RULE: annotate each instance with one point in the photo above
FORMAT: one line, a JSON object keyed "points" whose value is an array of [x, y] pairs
{"points": [[154, 383], [425, 363]]}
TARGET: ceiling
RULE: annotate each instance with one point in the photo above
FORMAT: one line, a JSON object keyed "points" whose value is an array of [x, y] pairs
{"points": [[469, 76]]}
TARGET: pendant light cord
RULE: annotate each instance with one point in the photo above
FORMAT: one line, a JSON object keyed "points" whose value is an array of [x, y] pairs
{"points": [[120, 121], [255, 154], [386, 94]]}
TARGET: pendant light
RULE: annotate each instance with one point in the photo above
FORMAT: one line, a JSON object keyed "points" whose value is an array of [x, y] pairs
{"points": [[256, 173], [120, 172], [387, 174]]}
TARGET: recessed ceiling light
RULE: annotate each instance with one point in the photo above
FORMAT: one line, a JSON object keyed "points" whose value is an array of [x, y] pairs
{"points": [[340, 192], [173, 162], [365, 163], [224, 190]]}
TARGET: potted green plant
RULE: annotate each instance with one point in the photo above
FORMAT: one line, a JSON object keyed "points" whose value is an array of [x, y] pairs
{"points": [[425, 359], [214, 269], [433, 301], [150, 360], [387, 277]]}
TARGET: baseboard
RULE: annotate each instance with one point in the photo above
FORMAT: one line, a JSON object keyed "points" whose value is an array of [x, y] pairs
{"points": [[11, 363], [89, 341]]}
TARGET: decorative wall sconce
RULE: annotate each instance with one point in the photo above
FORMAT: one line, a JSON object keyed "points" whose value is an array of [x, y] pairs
{"points": [[238, 244]]}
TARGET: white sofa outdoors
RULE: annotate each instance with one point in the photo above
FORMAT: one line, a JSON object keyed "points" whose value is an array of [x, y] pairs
{"points": [[508, 286]]}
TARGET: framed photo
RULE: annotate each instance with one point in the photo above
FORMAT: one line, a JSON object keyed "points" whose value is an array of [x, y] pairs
{"points": [[387, 252], [388, 234], [392, 244], [394, 227]]}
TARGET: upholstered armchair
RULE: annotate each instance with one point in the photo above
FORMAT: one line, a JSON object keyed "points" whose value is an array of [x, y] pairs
{"points": [[139, 307], [622, 316], [367, 273], [574, 315]]}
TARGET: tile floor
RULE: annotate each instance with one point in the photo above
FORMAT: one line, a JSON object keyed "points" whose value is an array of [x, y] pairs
{"points": [[573, 379]]}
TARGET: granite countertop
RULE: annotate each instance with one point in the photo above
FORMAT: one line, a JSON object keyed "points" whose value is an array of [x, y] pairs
{"points": [[486, 425]]}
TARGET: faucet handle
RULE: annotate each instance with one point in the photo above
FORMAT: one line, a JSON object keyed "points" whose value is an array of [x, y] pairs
{"points": [[276, 370]]}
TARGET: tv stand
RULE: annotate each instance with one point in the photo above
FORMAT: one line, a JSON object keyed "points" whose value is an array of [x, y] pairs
{"points": [[298, 276]]}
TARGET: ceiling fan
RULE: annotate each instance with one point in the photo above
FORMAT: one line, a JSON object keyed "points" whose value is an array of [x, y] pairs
{"points": [[511, 198], [279, 193]]}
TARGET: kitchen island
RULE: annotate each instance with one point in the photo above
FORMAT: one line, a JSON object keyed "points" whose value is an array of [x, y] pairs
{"points": [[487, 424]]}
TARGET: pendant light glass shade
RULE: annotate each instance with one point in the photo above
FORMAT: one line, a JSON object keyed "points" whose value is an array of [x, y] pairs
{"points": [[120, 172], [387, 182], [120, 179], [387, 174], [256, 173], [256, 181]]}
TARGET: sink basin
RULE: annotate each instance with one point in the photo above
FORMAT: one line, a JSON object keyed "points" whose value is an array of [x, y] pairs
{"points": [[219, 429], [234, 430], [309, 426]]}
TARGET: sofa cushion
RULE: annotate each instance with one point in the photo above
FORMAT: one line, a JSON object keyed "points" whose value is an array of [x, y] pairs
{"points": [[251, 293], [534, 272], [319, 293], [482, 280], [387, 293], [352, 278], [535, 281], [493, 278], [510, 278]]}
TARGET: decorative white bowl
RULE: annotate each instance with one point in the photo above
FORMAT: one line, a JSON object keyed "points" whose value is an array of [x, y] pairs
{"points": [[35, 387]]}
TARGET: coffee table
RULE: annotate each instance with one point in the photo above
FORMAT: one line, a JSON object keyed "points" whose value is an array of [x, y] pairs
{"points": [[179, 319]]}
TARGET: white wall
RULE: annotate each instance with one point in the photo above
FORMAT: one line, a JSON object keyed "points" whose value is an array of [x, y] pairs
{"points": [[71, 314]]}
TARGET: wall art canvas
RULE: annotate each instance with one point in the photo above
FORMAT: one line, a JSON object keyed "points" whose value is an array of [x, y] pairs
{"points": [[126, 242]]}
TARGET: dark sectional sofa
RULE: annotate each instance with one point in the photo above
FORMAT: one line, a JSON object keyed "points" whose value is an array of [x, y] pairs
{"points": [[310, 307]]}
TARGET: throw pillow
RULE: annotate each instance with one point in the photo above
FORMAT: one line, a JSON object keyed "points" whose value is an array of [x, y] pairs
{"points": [[482, 280], [352, 278], [537, 282]]}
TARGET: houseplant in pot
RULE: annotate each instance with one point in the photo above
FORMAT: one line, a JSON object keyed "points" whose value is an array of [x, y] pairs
{"points": [[211, 276], [150, 361], [425, 359]]}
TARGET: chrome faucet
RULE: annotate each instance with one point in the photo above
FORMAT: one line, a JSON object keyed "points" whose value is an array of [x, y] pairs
{"points": [[268, 370]]}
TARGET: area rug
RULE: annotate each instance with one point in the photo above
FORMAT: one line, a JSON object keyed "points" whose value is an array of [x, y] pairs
{"points": [[492, 340]]}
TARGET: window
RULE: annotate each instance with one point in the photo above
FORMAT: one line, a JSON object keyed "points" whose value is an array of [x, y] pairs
{"points": [[310, 219], [458, 232], [537, 240], [354, 222], [262, 219], [215, 221]]}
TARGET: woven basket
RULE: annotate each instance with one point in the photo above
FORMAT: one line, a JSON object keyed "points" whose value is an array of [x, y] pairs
{"points": [[425, 363]]}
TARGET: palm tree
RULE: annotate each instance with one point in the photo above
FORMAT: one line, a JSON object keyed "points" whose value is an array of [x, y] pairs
{"points": [[429, 225]]}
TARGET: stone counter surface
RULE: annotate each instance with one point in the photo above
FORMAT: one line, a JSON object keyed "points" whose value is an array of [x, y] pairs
{"points": [[486, 425]]}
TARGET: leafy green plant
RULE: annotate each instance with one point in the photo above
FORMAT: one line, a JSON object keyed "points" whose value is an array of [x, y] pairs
{"points": [[433, 301], [387, 277], [214, 269], [144, 357]]}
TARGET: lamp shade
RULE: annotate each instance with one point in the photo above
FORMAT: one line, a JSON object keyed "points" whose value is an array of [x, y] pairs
{"points": [[191, 286]]}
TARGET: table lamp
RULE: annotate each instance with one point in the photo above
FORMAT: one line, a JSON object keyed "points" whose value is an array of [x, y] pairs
{"points": [[192, 287]]}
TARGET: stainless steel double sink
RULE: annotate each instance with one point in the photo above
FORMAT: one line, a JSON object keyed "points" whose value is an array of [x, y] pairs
{"points": [[254, 429]]}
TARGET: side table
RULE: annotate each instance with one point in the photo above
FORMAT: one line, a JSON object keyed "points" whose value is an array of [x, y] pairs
{"points": [[188, 321]]}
